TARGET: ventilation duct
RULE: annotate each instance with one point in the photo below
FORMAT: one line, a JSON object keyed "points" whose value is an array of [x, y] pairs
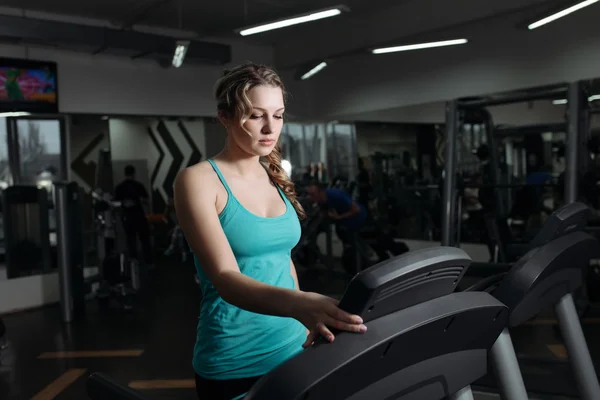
{"points": [[106, 40]]}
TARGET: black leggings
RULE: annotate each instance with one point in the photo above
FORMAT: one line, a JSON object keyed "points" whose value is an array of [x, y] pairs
{"points": [[208, 389]]}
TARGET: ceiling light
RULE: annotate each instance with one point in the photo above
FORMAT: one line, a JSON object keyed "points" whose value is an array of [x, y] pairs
{"points": [[562, 13], [292, 21], [14, 114], [420, 46], [314, 70], [180, 51], [565, 101]]}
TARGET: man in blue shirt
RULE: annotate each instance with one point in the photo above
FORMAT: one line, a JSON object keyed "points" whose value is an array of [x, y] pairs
{"points": [[348, 215]]}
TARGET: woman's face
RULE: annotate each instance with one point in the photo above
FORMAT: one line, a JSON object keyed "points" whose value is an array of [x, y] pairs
{"points": [[261, 130]]}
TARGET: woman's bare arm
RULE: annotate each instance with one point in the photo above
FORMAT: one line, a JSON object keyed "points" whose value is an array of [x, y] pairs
{"points": [[195, 205], [197, 214]]}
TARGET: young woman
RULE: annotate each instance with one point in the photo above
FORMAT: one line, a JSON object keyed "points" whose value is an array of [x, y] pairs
{"points": [[240, 216]]}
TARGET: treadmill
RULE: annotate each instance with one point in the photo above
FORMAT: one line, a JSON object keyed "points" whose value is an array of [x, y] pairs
{"points": [[545, 276], [424, 339]]}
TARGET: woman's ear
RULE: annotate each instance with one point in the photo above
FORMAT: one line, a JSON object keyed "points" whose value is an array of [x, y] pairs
{"points": [[223, 119]]}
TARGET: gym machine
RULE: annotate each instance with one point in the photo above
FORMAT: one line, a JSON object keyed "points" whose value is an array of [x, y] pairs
{"points": [[119, 274], [424, 340], [546, 276], [25, 213], [458, 111]]}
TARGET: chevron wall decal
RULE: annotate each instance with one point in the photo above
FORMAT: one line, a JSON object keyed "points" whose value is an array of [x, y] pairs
{"points": [[176, 155], [178, 144], [161, 155], [196, 155]]}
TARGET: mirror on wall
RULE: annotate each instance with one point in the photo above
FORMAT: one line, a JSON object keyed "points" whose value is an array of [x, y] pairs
{"points": [[319, 151], [32, 157]]}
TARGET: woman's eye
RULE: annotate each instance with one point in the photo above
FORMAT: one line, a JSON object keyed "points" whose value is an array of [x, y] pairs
{"points": [[279, 116], [256, 116]]}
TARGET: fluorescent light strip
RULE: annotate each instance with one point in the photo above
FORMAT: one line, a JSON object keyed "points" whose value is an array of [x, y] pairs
{"points": [[291, 21], [562, 13], [565, 101], [14, 114], [314, 70], [420, 46]]}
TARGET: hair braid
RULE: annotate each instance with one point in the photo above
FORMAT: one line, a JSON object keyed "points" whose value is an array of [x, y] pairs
{"points": [[281, 178]]}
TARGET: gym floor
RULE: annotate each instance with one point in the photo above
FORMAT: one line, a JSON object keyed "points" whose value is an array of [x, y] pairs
{"points": [[151, 347]]}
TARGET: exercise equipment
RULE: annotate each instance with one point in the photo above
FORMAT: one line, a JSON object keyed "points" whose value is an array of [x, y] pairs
{"points": [[26, 231], [424, 341], [546, 276], [119, 274], [100, 386], [474, 110]]}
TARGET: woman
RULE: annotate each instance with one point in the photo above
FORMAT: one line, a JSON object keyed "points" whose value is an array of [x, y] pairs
{"points": [[241, 219]]}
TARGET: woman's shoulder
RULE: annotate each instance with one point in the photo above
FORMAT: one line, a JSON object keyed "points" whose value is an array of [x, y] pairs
{"points": [[200, 173]]}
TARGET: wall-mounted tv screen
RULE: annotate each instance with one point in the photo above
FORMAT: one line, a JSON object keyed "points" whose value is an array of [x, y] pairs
{"points": [[28, 86]]}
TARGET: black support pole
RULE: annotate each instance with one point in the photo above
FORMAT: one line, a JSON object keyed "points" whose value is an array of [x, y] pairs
{"points": [[448, 212], [572, 151]]}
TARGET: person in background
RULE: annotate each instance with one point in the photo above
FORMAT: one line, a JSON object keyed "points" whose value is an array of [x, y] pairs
{"points": [[348, 215], [321, 174], [309, 173], [471, 194], [240, 214], [134, 199]]}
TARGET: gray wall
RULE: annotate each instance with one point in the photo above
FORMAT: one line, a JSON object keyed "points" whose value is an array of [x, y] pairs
{"points": [[215, 137]]}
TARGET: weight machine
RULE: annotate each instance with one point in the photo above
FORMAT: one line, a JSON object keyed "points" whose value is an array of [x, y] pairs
{"points": [[462, 111]]}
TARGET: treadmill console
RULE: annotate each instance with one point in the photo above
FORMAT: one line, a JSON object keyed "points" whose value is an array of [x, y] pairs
{"points": [[404, 281], [569, 218]]}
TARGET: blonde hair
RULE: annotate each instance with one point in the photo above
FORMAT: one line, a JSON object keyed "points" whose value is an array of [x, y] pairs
{"points": [[231, 93]]}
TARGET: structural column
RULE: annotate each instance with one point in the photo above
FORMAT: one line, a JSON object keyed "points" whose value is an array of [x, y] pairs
{"points": [[448, 198], [572, 151]]}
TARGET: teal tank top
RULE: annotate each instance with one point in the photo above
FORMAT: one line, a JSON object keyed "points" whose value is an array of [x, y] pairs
{"points": [[232, 343]]}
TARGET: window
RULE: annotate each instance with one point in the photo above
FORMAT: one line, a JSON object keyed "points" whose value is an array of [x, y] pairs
{"points": [[39, 151]]}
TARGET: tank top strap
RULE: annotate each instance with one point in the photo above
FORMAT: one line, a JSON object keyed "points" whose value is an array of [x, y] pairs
{"points": [[221, 177]]}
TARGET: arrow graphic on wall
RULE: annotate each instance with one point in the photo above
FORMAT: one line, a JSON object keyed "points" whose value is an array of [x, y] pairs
{"points": [[177, 148]]}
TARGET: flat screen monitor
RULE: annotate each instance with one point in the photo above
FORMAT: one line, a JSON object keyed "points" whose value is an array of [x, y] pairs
{"points": [[28, 86]]}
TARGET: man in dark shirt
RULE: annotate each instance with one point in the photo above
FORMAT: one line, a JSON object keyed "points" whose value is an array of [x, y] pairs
{"points": [[133, 197]]}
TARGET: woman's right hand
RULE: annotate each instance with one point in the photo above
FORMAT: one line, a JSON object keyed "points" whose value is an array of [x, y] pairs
{"points": [[318, 313]]}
